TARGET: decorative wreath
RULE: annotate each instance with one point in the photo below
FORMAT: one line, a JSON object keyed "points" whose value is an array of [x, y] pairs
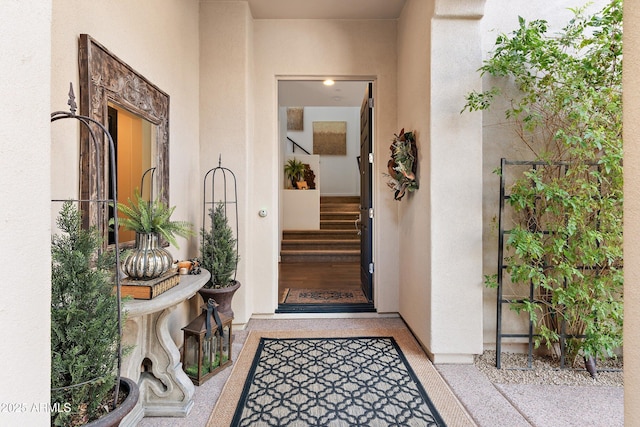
{"points": [[403, 164]]}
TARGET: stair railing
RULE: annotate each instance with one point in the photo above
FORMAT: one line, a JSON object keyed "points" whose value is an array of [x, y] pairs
{"points": [[295, 144]]}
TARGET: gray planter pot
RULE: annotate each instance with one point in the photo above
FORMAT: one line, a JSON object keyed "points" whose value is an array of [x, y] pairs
{"points": [[114, 417]]}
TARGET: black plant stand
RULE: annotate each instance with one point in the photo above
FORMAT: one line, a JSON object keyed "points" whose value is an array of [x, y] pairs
{"points": [[95, 128]]}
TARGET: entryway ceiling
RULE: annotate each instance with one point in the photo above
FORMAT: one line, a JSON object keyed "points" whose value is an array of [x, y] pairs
{"points": [[326, 9], [312, 93]]}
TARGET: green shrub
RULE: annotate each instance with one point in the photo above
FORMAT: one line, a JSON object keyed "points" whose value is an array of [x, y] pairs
{"points": [[84, 321], [568, 237], [219, 251]]}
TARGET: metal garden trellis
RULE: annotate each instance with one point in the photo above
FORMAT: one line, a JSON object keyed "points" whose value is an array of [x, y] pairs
{"points": [[228, 185], [87, 121], [562, 167]]}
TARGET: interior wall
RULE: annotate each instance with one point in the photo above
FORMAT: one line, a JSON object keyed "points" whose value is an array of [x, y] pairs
{"points": [[500, 140], [159, 39], [25, 145], [339, 174], [361, 50]]}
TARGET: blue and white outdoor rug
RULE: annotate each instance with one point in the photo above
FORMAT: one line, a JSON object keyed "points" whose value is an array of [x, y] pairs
{"points": [[362, 381]]}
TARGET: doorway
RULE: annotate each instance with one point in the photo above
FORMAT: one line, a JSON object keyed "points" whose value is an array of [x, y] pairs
{"points": [[325, 262]]}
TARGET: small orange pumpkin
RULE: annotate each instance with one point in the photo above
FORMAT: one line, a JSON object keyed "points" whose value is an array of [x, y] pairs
{"points": [[184, 264]]}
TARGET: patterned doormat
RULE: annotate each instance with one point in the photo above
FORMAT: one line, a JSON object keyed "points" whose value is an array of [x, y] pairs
{"points": [[358, 381], [324, 296], [439, 392]]}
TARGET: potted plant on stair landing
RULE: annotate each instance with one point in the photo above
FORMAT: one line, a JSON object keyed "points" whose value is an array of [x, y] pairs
{"points": [[220, 257], [150, 221], [294, 170], [85, 329]]}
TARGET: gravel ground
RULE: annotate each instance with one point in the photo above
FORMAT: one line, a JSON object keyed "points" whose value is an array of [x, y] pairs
{"points": [[546, 371]]}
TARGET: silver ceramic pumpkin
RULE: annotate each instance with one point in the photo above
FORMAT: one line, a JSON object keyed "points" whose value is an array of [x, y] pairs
{"points": [[147, 260]]}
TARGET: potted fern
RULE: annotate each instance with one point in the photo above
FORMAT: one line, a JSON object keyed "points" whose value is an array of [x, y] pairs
{"points": [[85, 330], [220, 257], [150, 221], [294, 169]]}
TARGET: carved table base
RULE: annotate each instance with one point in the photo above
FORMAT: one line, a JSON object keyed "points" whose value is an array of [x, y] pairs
{"points": [[154, 361]]}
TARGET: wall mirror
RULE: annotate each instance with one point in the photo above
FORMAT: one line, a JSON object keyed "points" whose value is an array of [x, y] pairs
{"points": [[136, 113]]}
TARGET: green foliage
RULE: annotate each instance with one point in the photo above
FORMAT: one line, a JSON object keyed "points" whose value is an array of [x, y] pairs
{"points": [[219, 249], [153, 217], [568, 239], [84, 322], [294, 169]]}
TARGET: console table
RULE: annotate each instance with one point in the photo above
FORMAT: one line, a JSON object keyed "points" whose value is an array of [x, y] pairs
{"points": [[154, 363]]}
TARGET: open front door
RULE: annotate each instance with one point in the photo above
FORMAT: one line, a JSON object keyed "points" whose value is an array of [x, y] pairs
{"points": [[366, 205]]}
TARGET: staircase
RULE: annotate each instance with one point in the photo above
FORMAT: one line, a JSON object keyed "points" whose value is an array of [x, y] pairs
{"points": [[336, 241]]}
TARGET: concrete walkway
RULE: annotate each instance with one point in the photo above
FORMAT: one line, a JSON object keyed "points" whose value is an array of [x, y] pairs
{"points": [[533, 405], [490, 405]]}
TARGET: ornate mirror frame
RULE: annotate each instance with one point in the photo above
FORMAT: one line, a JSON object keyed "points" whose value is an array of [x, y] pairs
{"points": [[104, 78]]}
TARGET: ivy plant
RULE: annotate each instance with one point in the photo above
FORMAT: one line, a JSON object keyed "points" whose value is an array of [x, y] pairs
{"points": [[567, 239]]}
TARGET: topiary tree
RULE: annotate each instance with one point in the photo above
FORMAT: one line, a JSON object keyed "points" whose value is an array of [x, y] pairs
{"points": [[219, 250], [568, 112], [84, 322]]}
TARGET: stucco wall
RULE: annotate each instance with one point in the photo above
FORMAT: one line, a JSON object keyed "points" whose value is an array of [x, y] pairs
{"points": [[25, 243], [225, 117], [160, 41], [414, 65], [631, 135], [440, 256]]}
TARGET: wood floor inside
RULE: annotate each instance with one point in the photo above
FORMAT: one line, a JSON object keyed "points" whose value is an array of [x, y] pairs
{"points": [[332, 276], [327, 258]]}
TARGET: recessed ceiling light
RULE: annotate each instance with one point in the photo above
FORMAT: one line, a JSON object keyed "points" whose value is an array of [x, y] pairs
{"points": [[328, 82]]}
